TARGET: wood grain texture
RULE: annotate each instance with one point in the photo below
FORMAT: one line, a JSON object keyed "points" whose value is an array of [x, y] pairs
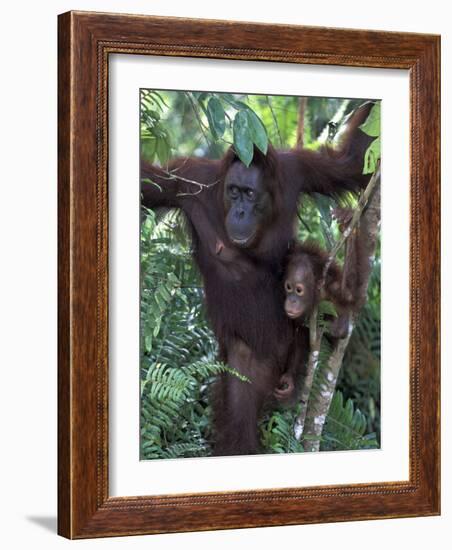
{"points": [[64, 295], [85, 42]]}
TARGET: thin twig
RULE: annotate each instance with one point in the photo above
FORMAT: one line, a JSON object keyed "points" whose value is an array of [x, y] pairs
{"points": [[323, 137], [171, 177], [204, 128], [312, 416], [362, 202], [318, 406], [274, 120], [198, 118], [302, 102]]}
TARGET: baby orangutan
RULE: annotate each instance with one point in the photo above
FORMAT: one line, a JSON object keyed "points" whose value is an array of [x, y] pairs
{"points": [[304, 289]]}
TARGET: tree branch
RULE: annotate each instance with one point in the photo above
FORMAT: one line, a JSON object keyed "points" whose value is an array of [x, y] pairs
{"points": [[318, 408], [275, 121], [170, 176], [315, 340], [362, 202], [336, 120], [314, 409], [302, 102]]}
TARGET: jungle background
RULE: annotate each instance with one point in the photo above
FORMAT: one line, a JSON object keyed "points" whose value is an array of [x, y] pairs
{"points": [[178, 349]]}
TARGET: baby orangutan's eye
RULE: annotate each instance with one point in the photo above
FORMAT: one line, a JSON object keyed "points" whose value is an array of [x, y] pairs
{"points": [[288, 287], [300, 290]]}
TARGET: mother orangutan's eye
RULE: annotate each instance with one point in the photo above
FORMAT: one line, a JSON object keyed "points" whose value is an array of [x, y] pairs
{"points": [[250, 193], [233, 192]]}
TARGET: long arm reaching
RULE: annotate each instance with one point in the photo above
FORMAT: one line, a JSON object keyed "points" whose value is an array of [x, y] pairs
{"points": [[183, 178], [331, 171]]}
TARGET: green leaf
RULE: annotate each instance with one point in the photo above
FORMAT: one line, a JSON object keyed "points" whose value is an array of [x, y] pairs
{"points": [[327, 308], [243, 143], [148, 146], [372, 124], [258, 131], [163, 151], [148, 343], [349, 410], [338, 400], [324, 205], [156, 95], [148, 181], [372, 156], [153, 114], [199, 96], [239, 105], [216, 117], [372, 408]]}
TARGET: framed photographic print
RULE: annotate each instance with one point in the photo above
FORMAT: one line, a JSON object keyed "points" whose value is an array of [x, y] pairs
{"points": [[248, 275]]}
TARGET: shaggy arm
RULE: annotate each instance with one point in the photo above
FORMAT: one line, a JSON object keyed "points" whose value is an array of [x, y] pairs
{"points": [[184, 177], [329, 171]]}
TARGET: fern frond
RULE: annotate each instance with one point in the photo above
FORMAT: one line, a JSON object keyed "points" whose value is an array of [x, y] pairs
{"points": [[345, 427]]}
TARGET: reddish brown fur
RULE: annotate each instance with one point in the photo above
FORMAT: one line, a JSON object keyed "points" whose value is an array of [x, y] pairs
{"points": [[310, 253], [341, 287]]}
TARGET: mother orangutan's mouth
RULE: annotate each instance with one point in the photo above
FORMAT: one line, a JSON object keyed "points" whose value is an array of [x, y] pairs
{"points": [[243, 242]]}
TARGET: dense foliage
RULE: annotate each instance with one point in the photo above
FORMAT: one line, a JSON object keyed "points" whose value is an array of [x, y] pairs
{"points": [[178, 349]]}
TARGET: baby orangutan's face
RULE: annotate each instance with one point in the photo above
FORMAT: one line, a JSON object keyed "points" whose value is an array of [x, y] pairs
{"points": [[300, 289]]}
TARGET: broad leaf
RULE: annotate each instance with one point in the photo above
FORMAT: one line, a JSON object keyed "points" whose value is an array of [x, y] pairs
{"points": [[216, 117], [324, 205], [372, 156], [258, 131], [327, 308], [243, 143], [372, 125], [239, 105], [163, 151]]}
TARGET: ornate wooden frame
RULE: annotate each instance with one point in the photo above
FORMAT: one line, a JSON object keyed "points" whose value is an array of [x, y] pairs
{"points": [[85, 42]]}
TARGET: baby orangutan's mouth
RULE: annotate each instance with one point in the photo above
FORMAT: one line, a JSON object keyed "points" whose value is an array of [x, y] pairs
{"points": [[294, 314]]}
